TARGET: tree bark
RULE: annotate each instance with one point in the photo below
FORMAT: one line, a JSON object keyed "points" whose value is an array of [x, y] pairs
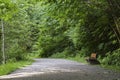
{"points": [[3, 42]]}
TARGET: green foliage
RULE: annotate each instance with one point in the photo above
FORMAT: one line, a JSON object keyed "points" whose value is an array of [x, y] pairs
{"points": [[9, 67], [112, 58], [7, 9], [58, 55], [67, 52], [81, 25], [112, 67], [60, 28], [78, 58], [20, 31]]}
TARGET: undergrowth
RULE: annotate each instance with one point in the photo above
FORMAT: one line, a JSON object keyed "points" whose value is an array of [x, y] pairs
{"points": [[12, 66]]}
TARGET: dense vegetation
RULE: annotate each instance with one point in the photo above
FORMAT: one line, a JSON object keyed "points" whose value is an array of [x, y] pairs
{"points": [[60, 28]]}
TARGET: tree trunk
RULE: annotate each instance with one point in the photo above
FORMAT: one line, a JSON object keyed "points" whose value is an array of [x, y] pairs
{"points": [[3, 42]]}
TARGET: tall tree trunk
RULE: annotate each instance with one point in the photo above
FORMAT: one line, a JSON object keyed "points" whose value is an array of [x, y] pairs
{"points": [[3, 42]]}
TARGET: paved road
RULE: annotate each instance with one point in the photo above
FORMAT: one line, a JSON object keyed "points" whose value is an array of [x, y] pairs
{"points": [[60, 69]]}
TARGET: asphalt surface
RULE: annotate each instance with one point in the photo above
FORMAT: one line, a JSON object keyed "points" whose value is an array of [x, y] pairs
{"points": [[61, 69]]}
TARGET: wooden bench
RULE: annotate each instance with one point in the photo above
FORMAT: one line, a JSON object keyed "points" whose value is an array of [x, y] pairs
{"points": [[93, 59], [93, 56]]}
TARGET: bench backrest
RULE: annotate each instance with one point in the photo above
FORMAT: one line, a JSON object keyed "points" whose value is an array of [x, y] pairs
{"points": [[93, 55]]}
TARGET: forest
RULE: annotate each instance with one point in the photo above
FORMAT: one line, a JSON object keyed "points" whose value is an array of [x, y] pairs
{"points": [[60, 29]]}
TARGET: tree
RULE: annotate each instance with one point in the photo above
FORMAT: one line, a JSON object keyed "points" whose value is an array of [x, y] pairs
{"points": [[114, 11], [85, 24], [7, 8], [3, 43]]}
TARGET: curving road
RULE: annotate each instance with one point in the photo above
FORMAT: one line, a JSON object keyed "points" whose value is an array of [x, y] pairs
{"points": [[61, 69]]}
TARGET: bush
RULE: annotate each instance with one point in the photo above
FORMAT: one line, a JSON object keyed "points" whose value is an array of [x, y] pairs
{"points": [[68, 52], [83, 52], [112, 58], [15, 53], [58, 55]]}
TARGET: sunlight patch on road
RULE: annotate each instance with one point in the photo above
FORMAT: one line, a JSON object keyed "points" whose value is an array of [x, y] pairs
{"points": [[45, 70], [25, 74]]}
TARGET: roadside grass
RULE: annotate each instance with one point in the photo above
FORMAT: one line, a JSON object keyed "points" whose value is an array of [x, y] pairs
{"points": [[111, 67], [82, 60], [78, 59], [33, 55], [12, 66]]}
